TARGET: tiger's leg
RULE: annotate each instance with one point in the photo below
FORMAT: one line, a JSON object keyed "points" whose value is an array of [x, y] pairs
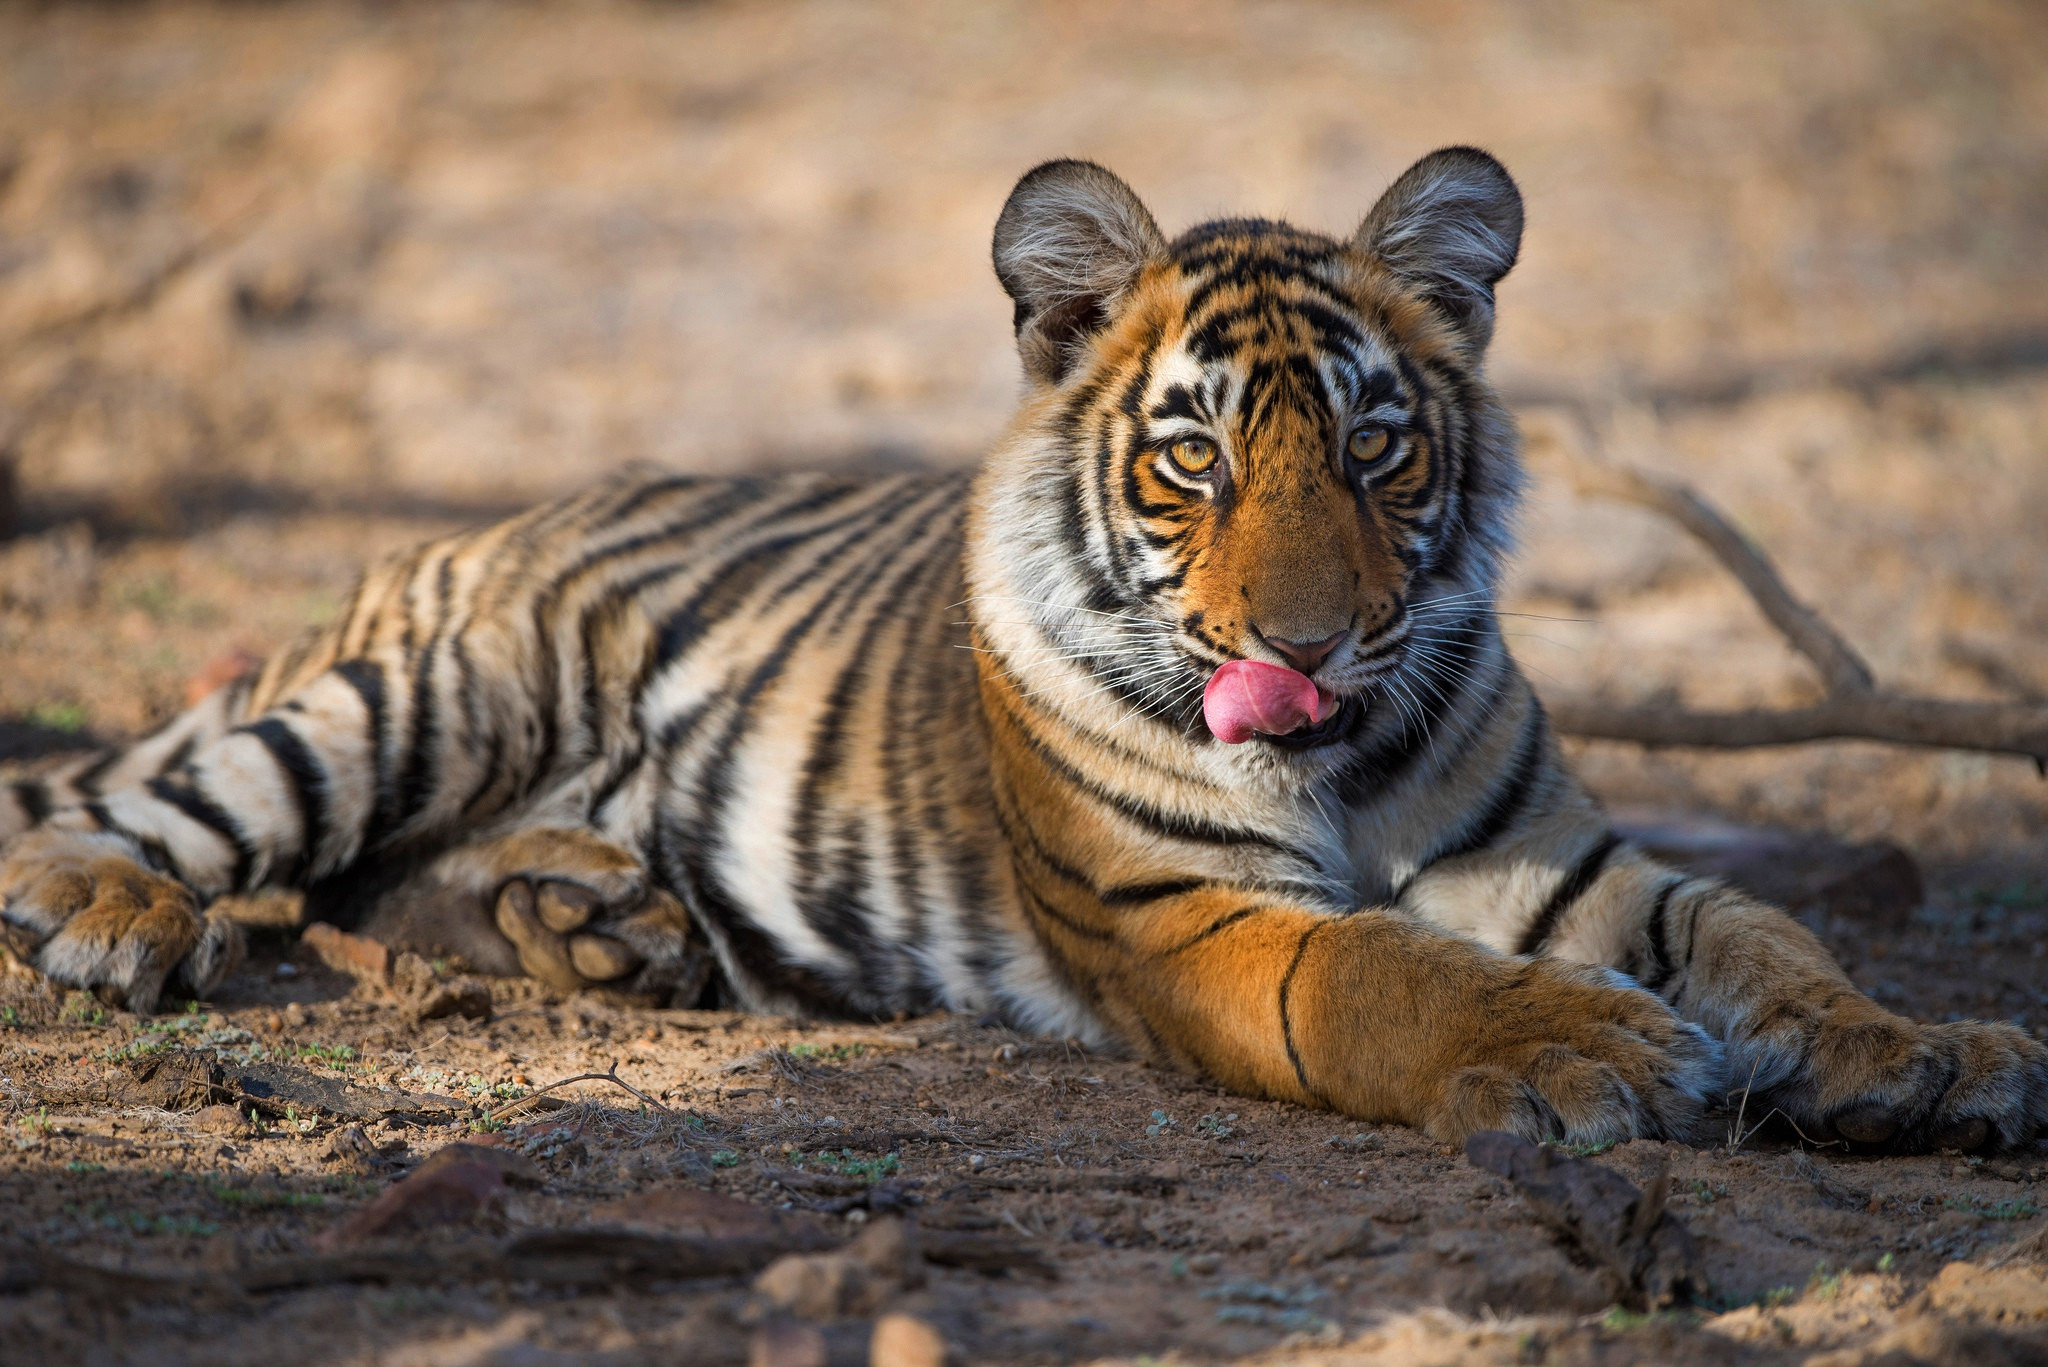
{"points": [[373, 755], [563, 904], [1802, 1040], [1384, 1019]]}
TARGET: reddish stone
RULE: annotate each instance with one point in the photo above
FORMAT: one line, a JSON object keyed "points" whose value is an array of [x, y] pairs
{"points": [[355, 955]]}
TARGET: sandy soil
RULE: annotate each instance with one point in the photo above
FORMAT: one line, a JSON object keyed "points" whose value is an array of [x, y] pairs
{"points": [[282, 287]]}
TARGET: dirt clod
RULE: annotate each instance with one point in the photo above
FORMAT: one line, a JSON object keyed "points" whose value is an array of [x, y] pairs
{"points": [[1608, 1218], [456, 1185]]}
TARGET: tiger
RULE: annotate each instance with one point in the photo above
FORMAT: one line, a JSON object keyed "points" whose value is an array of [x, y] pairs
{"points": [[1183, 726]]}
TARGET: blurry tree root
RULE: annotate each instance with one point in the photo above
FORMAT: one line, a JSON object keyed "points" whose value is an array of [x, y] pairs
{"points": [[1855, 707]]}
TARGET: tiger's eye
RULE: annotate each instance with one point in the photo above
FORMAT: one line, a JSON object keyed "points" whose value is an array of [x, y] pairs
{"points": [[1193, 454], [1368, 444]]}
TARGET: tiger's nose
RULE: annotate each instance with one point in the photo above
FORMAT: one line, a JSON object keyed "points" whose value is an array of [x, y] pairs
{"points": [[1307, 655]]}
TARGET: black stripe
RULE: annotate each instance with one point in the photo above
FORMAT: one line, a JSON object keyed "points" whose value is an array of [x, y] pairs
{"points": [[366, 677], [1502, 806], [1287, 1023], [1574, 886], [87, 779], [1125, 894], [1039, 906], [1214, 928], [176, 759], [196, 805], [421, 774], [34, 797], [1660, 955], [307, 776]]}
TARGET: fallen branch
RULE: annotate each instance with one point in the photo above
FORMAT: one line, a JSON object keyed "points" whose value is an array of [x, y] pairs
{"points": [[1841, 667], [1855, 708], [2000, 728]]}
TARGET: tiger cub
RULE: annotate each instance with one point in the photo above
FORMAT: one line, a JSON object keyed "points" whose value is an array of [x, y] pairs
{"points": [[1185, 724]]}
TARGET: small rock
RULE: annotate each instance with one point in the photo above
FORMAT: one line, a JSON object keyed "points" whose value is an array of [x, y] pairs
{"points": [[297, 1016], [785, 1343], [1205, 1264], [905, 1341], [287, 971], [358, 956]]}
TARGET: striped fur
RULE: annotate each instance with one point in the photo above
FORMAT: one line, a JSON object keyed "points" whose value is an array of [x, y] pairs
{"points": [[913, 743]]}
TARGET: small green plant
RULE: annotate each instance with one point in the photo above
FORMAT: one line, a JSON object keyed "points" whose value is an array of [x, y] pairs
{"points": [[724, 1158], [253, 1198], [79, 1165], [1585, 1150], [68, 717], [2010, 1209], [1161, 1123], [1211, 1127], [1704, 1194], [1887, 1262], [34, 1129], [333, 1055], [845, 1164], [1777, 1296], [9, 1016], [81, 1009], [1824, 1285]]}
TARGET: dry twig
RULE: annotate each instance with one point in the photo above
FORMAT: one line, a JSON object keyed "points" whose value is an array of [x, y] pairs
{"points": [[612, 1077], [1855, 708]]}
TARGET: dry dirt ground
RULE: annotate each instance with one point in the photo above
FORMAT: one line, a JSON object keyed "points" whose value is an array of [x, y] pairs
{"points": [[282, 287]]}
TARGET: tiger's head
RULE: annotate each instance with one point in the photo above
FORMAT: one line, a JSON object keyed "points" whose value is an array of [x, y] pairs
{"points": [[1252, 442]]}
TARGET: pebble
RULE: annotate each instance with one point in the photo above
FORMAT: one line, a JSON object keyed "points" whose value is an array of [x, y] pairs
{"points": [[905, 1341]]}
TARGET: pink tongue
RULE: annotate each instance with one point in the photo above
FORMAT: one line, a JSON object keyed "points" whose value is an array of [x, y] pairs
{"points": [[1245, 696]]}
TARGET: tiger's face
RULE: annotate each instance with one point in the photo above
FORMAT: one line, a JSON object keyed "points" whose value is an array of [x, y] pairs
{"points": [[1277, 446]]}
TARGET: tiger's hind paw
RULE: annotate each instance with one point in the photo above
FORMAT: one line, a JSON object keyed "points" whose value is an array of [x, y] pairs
{"points": [[97, 919], [580, 913]]}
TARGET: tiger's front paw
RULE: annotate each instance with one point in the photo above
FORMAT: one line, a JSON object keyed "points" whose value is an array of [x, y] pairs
{"points": [[97, 919], [1573, 1053], [1883, 1082]]}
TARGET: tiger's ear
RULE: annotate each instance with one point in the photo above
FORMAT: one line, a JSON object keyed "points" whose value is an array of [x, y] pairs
{"points": [[1451, 227], [1069, 245]]}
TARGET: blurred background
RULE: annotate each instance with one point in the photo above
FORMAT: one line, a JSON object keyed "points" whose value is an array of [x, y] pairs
{"points": [[286, 285]]}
